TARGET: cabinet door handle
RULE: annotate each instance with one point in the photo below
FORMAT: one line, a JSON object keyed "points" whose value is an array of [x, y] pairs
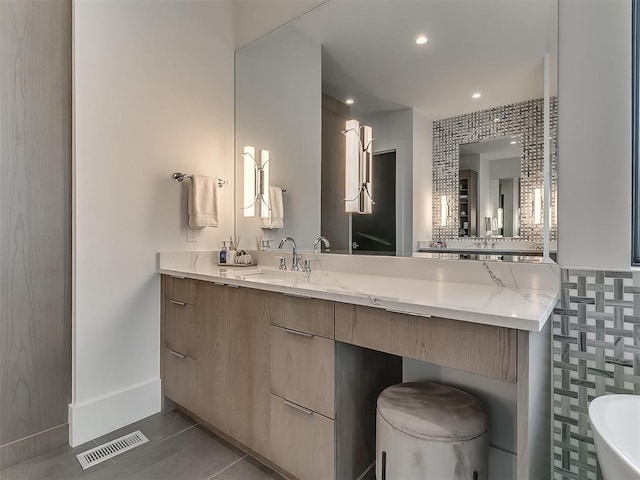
{"points": [[176, 354], [176, 302], [296, 332], [225, 285], [391, 310], [177, 277], [298, 407], [297, 296]]}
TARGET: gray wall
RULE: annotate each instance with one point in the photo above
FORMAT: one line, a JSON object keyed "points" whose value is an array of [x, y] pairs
{"points": [[278, 108], [35, 243]]}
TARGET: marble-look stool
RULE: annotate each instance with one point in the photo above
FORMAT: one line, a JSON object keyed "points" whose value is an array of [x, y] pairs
{"points": [[430, 431]]}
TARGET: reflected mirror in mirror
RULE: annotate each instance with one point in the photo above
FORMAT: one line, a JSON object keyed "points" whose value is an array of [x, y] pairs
{"points": [[489, 198], [293, 84]]}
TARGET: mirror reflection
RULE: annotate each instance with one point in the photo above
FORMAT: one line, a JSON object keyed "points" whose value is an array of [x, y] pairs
{"points": [[482, 69], [489, 173]]}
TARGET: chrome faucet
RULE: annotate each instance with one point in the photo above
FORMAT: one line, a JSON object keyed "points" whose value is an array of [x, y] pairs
{"points": [[316, 244], [294, 259]]}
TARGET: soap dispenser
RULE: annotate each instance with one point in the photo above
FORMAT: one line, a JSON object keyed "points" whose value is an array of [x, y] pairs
{"points": [[223, 253]]}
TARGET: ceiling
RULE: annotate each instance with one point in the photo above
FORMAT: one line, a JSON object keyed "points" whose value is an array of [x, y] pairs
{"points": [[369, 53], [253, 19]]}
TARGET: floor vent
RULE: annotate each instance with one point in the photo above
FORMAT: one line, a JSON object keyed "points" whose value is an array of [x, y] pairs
{"points": [[109, 450]]}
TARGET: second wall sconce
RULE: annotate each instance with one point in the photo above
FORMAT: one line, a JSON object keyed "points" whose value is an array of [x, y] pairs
{"points": [[256, 182], [444, 211], [537, 206], [358, 163]]}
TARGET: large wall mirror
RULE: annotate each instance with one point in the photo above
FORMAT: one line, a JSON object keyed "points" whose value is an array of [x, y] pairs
{"points": [[458, 96]]}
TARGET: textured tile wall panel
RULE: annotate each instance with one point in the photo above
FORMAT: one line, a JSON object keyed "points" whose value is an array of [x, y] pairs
{"points": [[524, 119], [596, 351]]}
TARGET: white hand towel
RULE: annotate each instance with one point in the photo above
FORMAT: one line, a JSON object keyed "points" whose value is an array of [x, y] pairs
{"points": [[203, 202], [275, 218]]}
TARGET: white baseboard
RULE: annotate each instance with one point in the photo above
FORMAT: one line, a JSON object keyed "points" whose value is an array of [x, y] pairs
{"points": [[92, 419]]}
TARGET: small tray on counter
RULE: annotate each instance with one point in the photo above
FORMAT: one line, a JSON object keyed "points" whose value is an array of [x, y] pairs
{"points": [[252, 264]]}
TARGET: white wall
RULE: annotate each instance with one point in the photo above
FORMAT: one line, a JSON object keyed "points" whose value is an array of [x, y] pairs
{"points": [[504, 168], [153, 95], [422, 179], [279, 108], [394, 131], [594, 127]]}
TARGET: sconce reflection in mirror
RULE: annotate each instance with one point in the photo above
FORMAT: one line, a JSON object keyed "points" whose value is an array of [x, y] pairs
{"points": [[500, 217], [537, 206], [358, 164], [444, 210], [256, 182]]}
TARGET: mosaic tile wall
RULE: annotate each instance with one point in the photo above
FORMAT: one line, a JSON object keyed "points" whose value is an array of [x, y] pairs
{"points": [[596, 351], [524, 119]]}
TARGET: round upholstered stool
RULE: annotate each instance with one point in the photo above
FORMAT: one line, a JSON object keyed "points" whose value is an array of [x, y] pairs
{"points": [[430, 431]]}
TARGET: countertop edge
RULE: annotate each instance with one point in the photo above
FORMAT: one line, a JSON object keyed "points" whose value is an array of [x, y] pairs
{"points": [[531, 325]]}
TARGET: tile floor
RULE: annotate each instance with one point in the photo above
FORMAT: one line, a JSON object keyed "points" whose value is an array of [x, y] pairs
{"points": [[178, 449]]}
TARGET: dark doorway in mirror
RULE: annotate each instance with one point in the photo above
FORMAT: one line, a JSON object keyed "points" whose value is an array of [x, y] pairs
{"points": [[375, 234]]}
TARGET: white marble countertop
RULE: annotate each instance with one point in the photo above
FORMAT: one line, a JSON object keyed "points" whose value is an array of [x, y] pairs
{"points": [[496, 302]]}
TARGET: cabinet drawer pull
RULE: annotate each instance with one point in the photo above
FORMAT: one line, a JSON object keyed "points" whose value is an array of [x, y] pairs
{"points": [[296, 296], [391, 310], [176, 354], [296, 332], [176, 302], [225, 285], [297, 407], [176, 277]]}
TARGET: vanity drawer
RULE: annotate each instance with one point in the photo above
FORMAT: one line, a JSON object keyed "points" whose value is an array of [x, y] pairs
{"points": [[179, 380], [483, 349], [302, 369], [309, 315], [180, 327], [302, 442], [181, 289]]}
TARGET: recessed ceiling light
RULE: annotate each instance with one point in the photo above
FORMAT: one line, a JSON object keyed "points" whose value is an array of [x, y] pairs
{"points": [[476, 95], [421, 40], [513, 142], [349, 101]]}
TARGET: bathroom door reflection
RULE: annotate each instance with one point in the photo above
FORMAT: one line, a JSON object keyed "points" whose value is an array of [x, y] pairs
{"points": [[504, 195], [375, 234]]}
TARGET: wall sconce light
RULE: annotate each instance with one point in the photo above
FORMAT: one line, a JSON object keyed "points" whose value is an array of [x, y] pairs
{"points": [[444, 211], [358, 159], [500, 217], [537, 206], [256, 182]]}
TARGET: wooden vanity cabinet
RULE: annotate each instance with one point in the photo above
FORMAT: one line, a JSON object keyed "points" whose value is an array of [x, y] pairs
{"points": [[217, 306], [487, 350], [178, 365], [267, 373], [302, 429], [302, 369], [249, 366]]}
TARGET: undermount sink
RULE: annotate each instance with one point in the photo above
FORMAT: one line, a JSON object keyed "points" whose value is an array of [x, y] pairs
{"points": [[299, 279], [615, 422]]}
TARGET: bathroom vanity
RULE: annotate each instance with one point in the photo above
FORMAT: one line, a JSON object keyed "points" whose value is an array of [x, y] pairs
{"points": [[288, 366]]}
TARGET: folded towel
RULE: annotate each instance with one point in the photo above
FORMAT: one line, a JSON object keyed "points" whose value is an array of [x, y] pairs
{"points": [[275, 215], [203, 202]]}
